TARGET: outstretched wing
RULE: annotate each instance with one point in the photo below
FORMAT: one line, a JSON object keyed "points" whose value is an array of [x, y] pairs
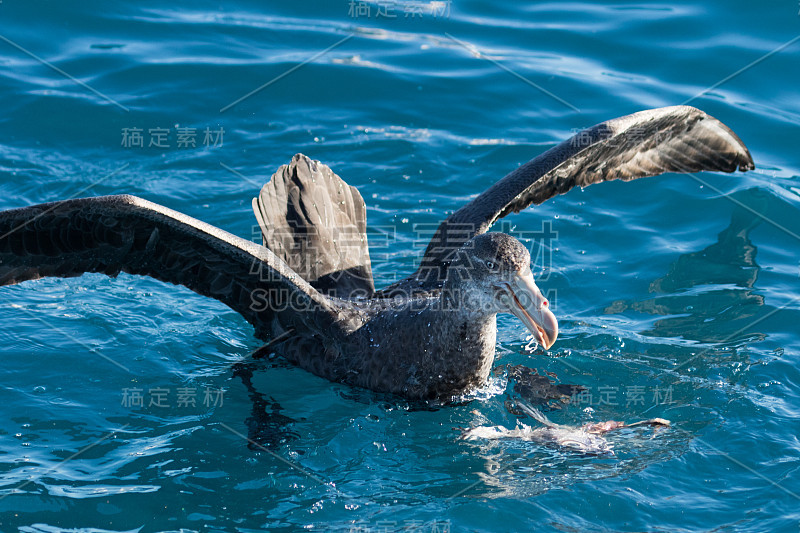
{"points": [[648, 143], [317, 224], [114, 234]]}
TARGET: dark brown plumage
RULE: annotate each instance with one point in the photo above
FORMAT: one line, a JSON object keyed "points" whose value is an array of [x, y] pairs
{"points": [[431, 335]]}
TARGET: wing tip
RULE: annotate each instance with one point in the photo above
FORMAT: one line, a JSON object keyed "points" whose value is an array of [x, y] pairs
{"points": [[743, 159], [748, 163], [738, 155]]}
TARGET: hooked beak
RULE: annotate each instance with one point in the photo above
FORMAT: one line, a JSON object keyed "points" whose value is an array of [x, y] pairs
{"points": [[525, 301]]}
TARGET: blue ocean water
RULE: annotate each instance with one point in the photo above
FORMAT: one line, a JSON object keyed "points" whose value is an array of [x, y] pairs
{"points": [[677, 296]]}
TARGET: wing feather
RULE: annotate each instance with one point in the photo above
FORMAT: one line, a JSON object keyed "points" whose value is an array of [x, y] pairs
{"points": [[648, 143], [317, 224], [114, 234]]}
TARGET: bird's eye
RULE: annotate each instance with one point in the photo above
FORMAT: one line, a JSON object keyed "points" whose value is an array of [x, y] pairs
{"points": [[490, 264]]}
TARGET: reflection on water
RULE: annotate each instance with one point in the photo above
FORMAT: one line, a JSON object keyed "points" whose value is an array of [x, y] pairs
{"points": [[708, 295], [266, 426]]}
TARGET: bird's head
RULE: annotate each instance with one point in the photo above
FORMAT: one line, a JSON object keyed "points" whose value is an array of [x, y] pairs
{"points": [[492, 272]]}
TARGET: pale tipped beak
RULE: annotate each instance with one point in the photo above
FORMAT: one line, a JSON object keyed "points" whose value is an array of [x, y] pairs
{"points": [[525, 301]]}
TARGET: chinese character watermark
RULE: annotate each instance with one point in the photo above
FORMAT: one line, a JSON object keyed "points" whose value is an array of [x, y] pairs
{"points": [[415, 526], [180, 137], [635, 395], [166, 397], [389, 9]]}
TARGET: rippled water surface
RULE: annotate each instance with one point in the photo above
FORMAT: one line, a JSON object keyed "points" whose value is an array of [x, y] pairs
{"points": [[677, 296]]}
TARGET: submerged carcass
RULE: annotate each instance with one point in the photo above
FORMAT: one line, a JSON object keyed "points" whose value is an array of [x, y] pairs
{"points": [[584, 439]]}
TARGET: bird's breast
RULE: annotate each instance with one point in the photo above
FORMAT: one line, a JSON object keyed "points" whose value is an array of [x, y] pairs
{"points": [[425, 355]]}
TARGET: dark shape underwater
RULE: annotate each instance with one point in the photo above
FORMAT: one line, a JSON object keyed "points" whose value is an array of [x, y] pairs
{"points": [[713, 287]]}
